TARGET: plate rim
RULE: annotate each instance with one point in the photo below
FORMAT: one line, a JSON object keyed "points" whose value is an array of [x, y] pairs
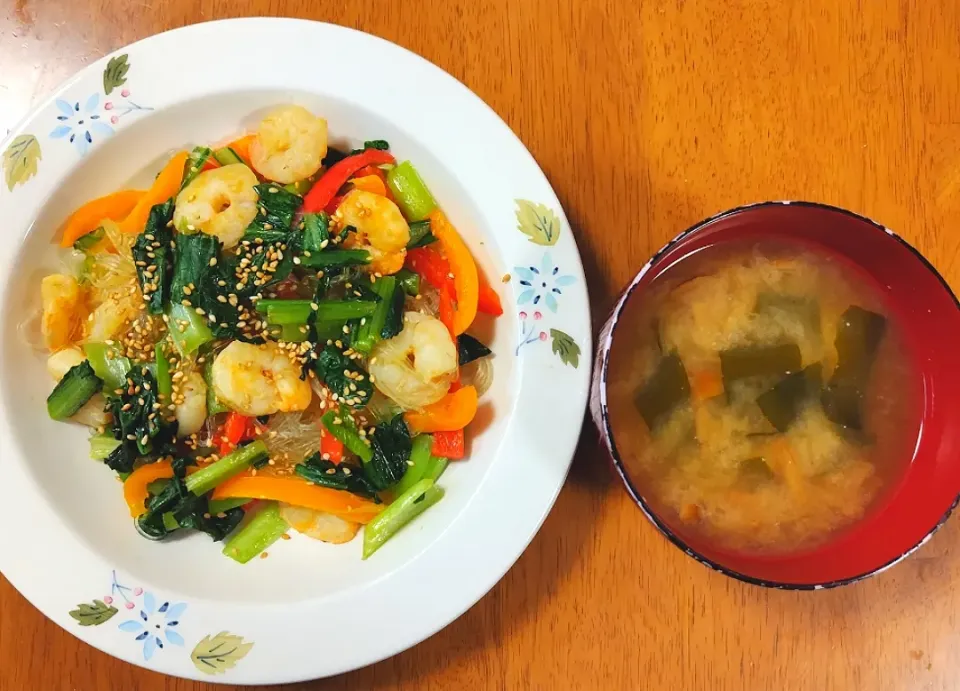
{"points": [[16, 574]]}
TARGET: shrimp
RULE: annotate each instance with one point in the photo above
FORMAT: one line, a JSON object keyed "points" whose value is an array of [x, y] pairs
{"points": [[417, 366], [290, 145], [191, 408], [319, 525], [92, 412], [62, 300], [221, 202], [381, 229], [259, 380]]}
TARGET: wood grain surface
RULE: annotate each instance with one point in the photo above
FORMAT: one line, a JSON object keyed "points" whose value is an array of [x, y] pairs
{"points": [[646, 117]]}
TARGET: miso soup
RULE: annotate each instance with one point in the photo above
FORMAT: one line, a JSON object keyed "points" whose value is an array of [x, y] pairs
{"points": [[767, 399]]}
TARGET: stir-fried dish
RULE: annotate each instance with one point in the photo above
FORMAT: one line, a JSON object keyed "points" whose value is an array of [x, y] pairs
{"points": [[770, 399], [273, 335]]}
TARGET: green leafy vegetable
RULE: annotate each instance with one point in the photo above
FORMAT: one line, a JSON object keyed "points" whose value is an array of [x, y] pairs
{"points": [[420, 234], [470, 349], [194, 165], [87, 242], [407, 506], [191, 266], [153, 257], [329, 257], [316, 231], [108, 364], [344, 476], [392, 447], [76, 388], [265, 528], [409, 281], [386, 320], [137, 417], [277, 208], [342, 426], [380, 144], [343, 377], [101, 446]]}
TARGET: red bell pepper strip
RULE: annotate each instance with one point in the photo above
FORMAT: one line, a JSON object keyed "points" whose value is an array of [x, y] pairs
{"points": [[232, 433], [326, 188], [488, 301], [331, 448], [435, 270], [449, 444], [331, 208]]}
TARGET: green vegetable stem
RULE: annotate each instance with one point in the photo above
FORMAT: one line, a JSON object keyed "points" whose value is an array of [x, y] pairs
{"points": [[420, 497]]}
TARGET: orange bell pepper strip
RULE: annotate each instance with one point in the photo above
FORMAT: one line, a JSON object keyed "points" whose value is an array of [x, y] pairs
{"points": [[298, 492], [135, 486], [370, 183], [452, 412], [88, 217], [450, 445], [463, 268], [164, 187], [488, 301], [241, 147]]}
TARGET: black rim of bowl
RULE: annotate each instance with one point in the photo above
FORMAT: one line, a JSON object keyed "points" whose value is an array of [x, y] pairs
{"points": [[604, 348]]}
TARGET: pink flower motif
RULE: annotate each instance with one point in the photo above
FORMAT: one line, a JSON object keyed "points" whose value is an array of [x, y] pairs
{"points": [[543, 335], [108, 600], [138, 591], [114, 119], [108, 105], [129, 605], [125, 93], [523, 315], [537, 315]]}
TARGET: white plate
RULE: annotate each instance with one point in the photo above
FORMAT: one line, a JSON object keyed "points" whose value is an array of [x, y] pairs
{"points": [[310, 609]]}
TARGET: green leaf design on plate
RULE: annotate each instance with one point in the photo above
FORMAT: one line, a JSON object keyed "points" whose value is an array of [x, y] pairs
{"points": [[115, 73], [93, 614], [537, 222], [20, 160], [217, 654], [564, 346]]}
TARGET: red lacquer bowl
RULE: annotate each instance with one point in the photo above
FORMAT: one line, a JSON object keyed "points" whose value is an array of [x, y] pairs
{"points": [[929, 317]]}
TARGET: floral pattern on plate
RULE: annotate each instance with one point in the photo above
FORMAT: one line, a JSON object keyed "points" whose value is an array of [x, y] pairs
{"points": [[543, 284]]}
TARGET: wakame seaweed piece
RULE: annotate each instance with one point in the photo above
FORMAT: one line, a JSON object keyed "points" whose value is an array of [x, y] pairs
{"points": [[276, 208], [470, 349], [782, 403], [753, 472], [807, 309], [858, 336], [667, 388], [153, 257], [756, 361]]}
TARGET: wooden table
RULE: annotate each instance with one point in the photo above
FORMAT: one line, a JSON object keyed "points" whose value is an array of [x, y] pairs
{"points": [[646, 117]]}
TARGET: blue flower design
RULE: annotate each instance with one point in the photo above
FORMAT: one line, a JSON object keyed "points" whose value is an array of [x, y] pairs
{"points": [[156, 624], [80, 125], [542, 284]]}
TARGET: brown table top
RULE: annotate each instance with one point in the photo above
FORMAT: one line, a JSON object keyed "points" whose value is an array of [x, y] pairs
{"points": [[646, 117]]}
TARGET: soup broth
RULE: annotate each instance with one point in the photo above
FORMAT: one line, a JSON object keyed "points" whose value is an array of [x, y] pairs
{"points": [[767, 400]]}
